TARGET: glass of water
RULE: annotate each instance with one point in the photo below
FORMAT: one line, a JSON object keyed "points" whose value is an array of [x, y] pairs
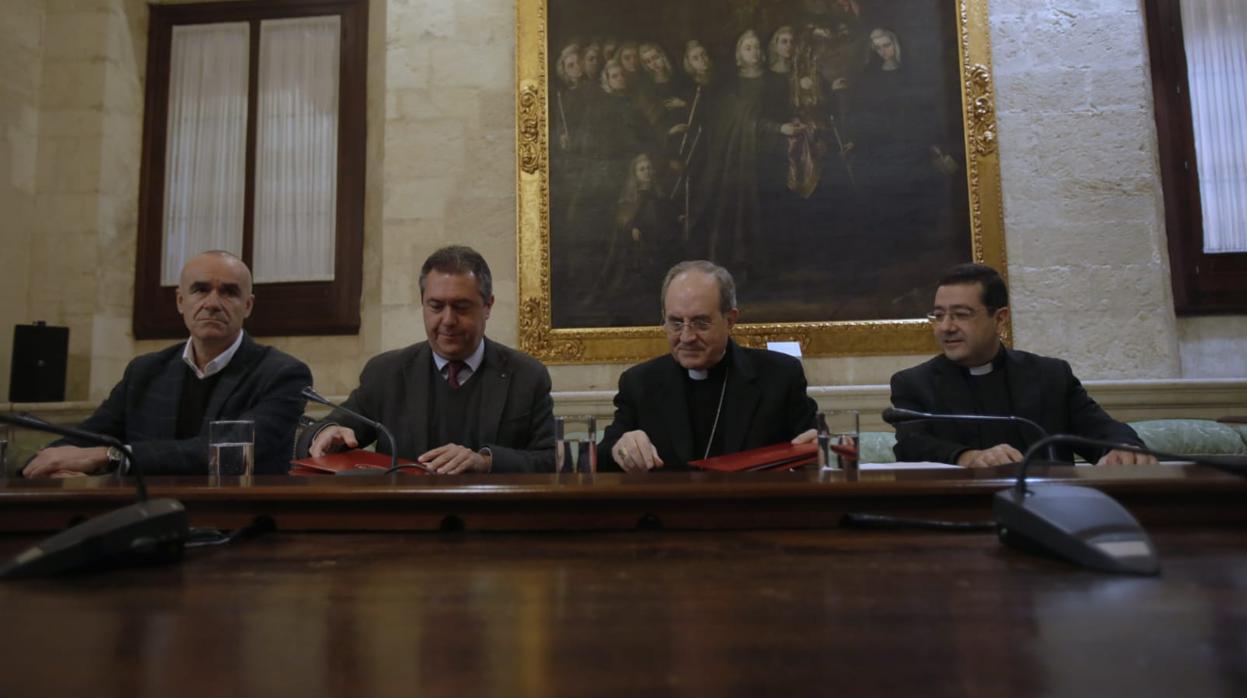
{"points": [[231, 449], [841, 431], [575, 444]]}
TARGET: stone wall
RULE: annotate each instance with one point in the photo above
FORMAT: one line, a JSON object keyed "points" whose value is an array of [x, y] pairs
{"points": [[1083, 201], [1083, 208], [21, 61], [73, 229], [1213, 347]]}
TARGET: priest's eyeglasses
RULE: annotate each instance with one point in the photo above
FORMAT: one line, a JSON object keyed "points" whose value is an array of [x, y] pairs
{"points": [[936, 317]]}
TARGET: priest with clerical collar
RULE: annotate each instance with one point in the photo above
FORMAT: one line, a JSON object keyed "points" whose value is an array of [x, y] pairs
{"points": [[709, 396], [977, 374]]}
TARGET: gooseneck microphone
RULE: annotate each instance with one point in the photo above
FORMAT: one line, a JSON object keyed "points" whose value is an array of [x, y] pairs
{"points": [[900, 415], [1081, 524], [146, 532], [317, 397]]}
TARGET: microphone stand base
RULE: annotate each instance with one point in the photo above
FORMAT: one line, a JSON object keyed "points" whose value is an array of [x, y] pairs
{"points": [[150, 532], [1078, 524]]}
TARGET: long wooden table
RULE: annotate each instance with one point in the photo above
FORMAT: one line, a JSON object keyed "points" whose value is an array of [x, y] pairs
{"points": [[677, 500], [671, 585]]}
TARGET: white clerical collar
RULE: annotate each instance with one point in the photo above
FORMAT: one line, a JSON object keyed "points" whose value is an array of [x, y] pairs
{"points": [[214, 366], [701, 374], [982, 370], [473, 361]]}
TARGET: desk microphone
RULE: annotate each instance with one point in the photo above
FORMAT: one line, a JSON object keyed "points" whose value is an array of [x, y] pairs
{"points": [[1081, 524], [900, 415], [317, 397], [148, 531]]}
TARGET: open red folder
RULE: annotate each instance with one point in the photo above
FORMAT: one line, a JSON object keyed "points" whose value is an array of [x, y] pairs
{"points": [[783, 456], [355, 460]]}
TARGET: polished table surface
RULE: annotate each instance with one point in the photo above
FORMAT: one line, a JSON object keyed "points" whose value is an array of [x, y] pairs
{"points": [[504, 608]]}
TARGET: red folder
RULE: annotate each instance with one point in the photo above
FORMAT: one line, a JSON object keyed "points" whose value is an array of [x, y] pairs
{"points": [[334, 463], [783, 456]]}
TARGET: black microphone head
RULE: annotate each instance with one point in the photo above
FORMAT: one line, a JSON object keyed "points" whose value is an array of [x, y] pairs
{"points": [[898, 415], [25, 420], [314, 396]]}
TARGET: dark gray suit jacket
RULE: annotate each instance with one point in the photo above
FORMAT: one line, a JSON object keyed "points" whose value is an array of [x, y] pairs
{"points": [[260, 384], [516, 420], [764, 403], [1042, 389]]}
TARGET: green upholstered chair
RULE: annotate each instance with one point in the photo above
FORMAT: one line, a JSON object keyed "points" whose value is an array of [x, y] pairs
{"points": [[1178, 436], [1193, 436], [876, 447]]}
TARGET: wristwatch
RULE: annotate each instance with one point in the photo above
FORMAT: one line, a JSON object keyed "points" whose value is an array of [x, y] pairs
{"points": [[115, 458]]}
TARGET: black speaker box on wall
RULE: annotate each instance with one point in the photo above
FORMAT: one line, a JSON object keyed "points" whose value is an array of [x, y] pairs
{"points": [[40, 353]]}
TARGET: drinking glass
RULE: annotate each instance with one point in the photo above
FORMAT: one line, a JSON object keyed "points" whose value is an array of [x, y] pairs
{"points": [[231, 448], [839, 428], [575, 444]]}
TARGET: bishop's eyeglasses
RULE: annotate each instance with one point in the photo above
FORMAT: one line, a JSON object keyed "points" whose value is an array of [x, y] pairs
{"points": [[696, 325]]}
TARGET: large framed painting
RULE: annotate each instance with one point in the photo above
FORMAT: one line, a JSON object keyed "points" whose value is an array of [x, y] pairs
{"points": [[834, 155]]}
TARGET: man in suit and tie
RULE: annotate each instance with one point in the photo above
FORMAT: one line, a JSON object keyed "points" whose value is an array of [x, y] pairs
{"points": [[163, 404], [459, 402], [977, 374], [709, 396]]}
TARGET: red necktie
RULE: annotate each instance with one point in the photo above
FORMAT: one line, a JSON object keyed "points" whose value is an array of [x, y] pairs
{"points": [[452, 373]]}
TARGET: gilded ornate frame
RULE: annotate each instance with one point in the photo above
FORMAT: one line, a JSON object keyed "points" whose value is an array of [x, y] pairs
{"points": [[627, 344]]}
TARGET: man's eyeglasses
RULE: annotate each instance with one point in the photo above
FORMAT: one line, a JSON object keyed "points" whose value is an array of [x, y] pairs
{"points": [[936, 317], [697, 325]]}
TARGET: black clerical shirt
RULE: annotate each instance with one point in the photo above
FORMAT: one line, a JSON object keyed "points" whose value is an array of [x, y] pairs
{"points": [[992, 396], [703, 407]]}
